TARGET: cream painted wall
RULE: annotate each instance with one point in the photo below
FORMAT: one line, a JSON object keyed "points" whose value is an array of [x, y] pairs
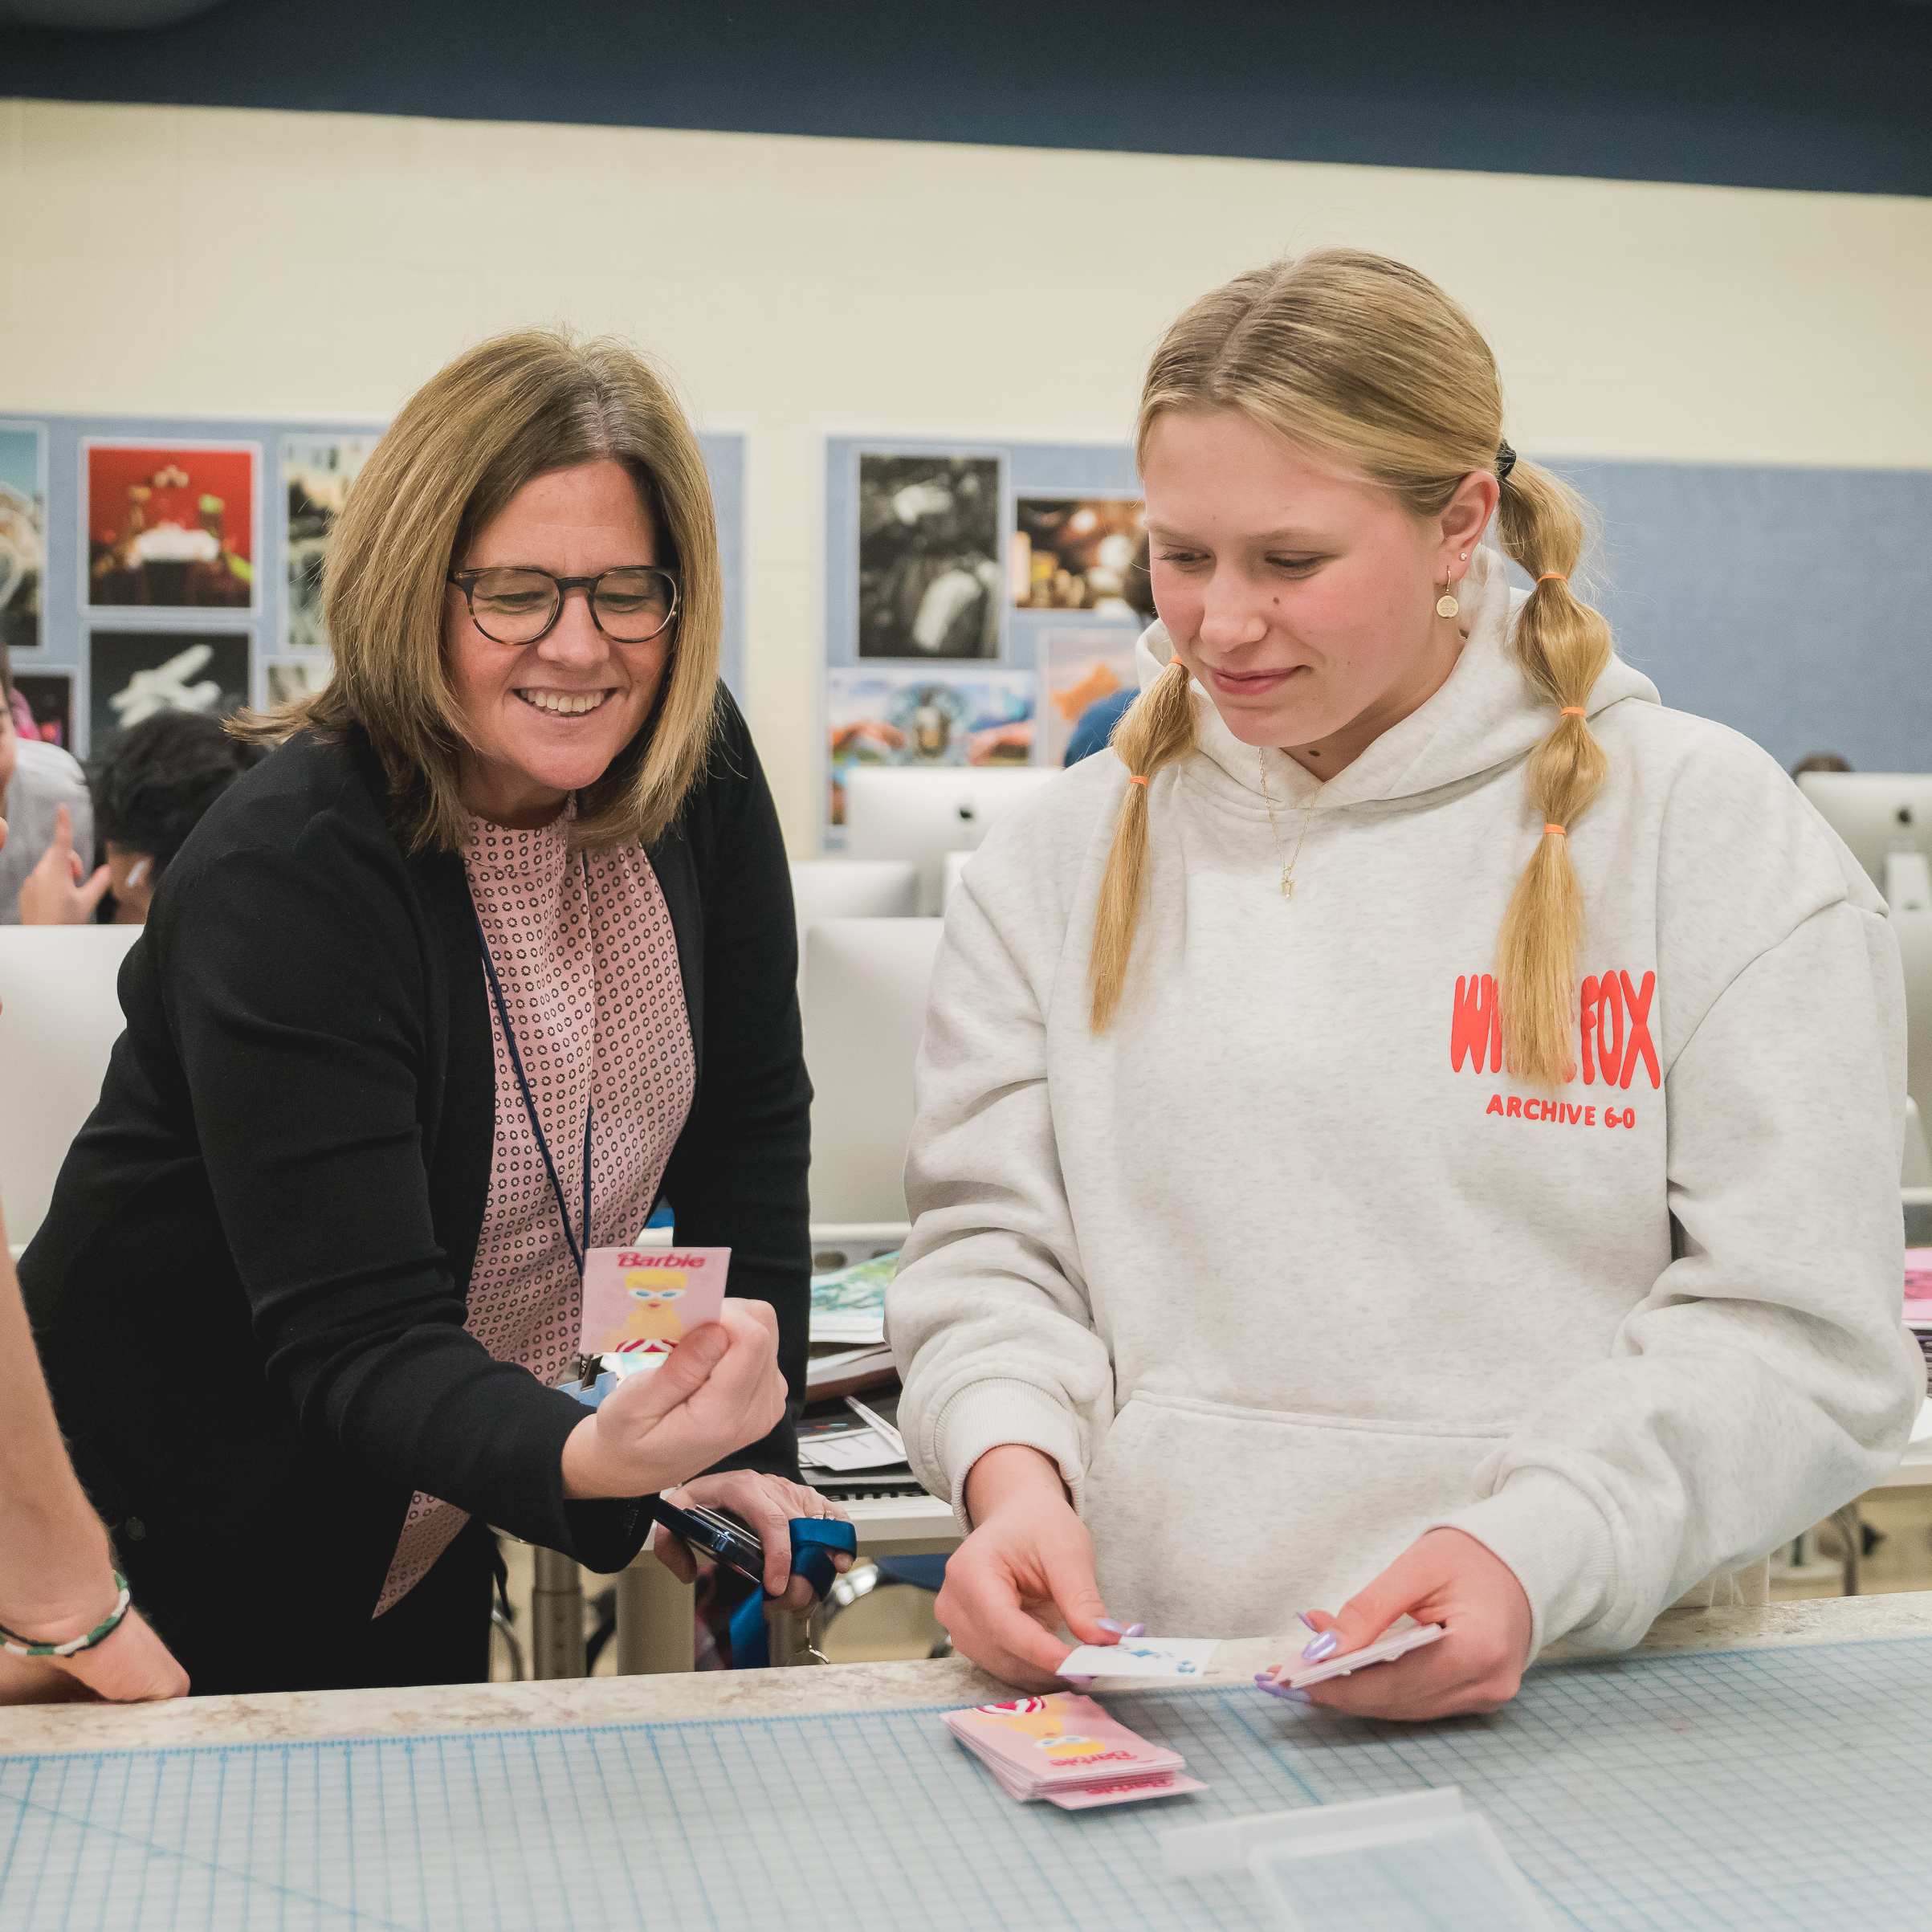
{"points": [[215, 262]]}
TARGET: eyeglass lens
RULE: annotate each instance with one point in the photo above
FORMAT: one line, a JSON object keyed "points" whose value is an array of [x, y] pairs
{"points": [[516, 607]]}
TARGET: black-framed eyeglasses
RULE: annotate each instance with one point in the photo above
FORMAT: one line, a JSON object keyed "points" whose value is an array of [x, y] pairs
{"points": [[519, 603]]}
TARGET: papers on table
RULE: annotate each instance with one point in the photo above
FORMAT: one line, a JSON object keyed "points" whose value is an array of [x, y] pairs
{"points": [[849, 1305], [1141, 1657], [854, 1448]]}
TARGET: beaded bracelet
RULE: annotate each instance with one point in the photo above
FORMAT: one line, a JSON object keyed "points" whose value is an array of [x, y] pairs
{"points": [[21, 1646]]}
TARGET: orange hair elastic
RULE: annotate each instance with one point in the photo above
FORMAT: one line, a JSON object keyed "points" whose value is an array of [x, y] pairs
{"points": [[1572, 711], [1548, 575], [1558, 829], [1174, 660], [1137, 780]]}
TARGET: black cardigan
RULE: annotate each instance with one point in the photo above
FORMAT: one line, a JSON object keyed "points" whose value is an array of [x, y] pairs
{"points": [[249, 1290]]}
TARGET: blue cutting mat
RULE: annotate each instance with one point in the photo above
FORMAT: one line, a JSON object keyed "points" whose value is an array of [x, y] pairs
{"points": [[1769, 1789]]}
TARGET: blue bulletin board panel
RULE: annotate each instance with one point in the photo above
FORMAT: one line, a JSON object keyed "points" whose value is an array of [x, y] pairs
{"points": [[67, 622], [1769, 1790]]}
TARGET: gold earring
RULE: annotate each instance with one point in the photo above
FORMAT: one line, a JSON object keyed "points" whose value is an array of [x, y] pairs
{"points": [[1446, 605]]}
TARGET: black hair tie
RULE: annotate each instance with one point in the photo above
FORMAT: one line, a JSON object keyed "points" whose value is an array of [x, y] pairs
{"points": [[1506, 461]]}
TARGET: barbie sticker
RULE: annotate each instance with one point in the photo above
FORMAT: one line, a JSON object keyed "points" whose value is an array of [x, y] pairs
{"points": [[645, 1301]]}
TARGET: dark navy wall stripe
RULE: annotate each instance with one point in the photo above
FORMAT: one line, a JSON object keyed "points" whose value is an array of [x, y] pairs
{"points": [[1805, 94]]}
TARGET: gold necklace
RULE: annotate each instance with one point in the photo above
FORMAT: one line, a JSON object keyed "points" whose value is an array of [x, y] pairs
{"points": [[1307, 813]]}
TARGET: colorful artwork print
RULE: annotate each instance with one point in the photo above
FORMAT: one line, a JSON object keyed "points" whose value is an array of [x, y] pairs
{"points": [[134, 674], [876, 716], [928, 557], [1079, 669], [1079, 553], [317, 473], [22, 532], [169, 526], [49, 697]]}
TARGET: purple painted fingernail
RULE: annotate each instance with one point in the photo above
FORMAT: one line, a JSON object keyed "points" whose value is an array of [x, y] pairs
{"points": [[1301, 1616], [1135, 1630], [1107, 1623], [1319, 1647], [1286, 1693]]}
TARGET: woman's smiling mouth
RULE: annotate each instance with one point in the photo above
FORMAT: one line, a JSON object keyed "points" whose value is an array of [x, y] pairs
{"points": [[565, 704]]}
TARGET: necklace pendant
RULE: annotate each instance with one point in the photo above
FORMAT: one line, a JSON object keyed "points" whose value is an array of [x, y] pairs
{"points": [[1287, 887]]}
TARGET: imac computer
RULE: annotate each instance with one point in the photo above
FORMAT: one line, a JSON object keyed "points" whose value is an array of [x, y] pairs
{"points": [[851, 889], [922, 813], [59, 1017], [865, 1009], [1886, 819]]}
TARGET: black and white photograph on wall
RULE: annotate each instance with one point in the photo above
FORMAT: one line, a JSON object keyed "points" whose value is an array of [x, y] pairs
{"points": [[131, 675], [1078, 553], [48, 697], [290, 679], [317, 475], [22, 532], [928, 557]]}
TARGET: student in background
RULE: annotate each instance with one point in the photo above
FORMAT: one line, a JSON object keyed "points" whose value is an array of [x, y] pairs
{"points": [[37, 783], [1096, 722], [1414, 1131], [150, 787], [65, 1631]]}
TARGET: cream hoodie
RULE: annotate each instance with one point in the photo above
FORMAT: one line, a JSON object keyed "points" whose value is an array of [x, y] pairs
{"points": [[1283, 1271]]}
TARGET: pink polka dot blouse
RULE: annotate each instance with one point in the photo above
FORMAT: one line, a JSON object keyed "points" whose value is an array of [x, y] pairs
{"points": [[589, 974]]}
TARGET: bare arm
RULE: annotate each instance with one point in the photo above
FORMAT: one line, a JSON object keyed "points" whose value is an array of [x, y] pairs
{"points": [[56, 1575]]}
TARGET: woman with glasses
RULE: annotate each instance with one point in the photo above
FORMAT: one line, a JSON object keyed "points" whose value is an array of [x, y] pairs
{"points": [[494, 955]]}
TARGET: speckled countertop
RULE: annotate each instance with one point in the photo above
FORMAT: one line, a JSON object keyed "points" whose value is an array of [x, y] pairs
{"points": [[337, 1713]]}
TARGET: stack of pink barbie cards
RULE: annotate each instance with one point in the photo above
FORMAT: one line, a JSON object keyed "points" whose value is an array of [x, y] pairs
{"points": [[1066, 1749]]}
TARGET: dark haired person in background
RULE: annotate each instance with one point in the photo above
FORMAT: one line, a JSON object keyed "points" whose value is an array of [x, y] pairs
{"points": [[150, 787]]}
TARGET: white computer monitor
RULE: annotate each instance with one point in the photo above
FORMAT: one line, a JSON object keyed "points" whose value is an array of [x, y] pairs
{"points": [[1877, 814], [922, 813], [59, 1017], [865, 1009], [851, 889]]}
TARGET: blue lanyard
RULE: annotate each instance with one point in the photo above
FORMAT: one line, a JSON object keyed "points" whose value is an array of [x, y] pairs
{"points": [[578, 1249]]}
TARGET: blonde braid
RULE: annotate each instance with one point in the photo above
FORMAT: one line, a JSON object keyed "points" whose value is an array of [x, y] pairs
{"points": [[1562, 647], [1158, 728]]}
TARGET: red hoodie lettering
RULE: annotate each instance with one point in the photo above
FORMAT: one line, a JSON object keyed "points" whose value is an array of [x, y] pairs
{"points": [[1613, 1028]]}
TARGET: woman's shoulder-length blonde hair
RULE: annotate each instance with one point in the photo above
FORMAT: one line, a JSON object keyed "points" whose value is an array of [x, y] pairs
{"points": [[500, 415]]}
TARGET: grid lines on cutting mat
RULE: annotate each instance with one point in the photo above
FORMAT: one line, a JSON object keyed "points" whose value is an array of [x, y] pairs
{"points": [[1773, 1789]]}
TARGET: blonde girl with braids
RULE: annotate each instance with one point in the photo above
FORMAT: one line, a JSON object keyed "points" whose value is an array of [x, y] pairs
{"points": [[1416, 1130]]}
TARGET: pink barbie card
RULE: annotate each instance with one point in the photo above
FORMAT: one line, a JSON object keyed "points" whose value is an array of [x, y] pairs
{"points": [[1061, 1739], [648, 1299]]}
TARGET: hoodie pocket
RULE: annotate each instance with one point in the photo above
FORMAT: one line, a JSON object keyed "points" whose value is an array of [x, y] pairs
{"points": [[1214, 1520]]}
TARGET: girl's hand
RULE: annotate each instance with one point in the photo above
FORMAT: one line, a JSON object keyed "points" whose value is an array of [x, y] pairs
{"points": [[1446, 1578], [718, 1390], [768, 1503], [130, 1665], [1026, 1569]]}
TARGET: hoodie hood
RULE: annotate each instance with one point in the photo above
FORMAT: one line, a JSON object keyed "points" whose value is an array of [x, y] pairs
{"points": [[1485, 715]]}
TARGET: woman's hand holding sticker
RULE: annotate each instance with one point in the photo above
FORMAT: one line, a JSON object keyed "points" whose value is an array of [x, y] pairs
{"points": [[1026, 1569], [1445, 1578], [719, 1389]]}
